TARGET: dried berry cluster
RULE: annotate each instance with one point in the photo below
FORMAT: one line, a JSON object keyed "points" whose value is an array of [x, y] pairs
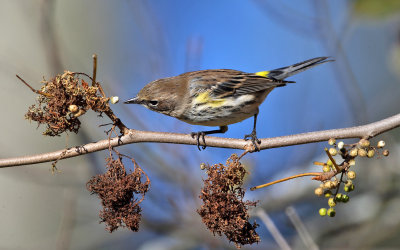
{"points": [[330, 186], [224, 210], [62, 100], [116, 190]]}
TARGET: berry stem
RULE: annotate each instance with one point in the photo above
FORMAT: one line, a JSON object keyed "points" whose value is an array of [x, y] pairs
{"points": [[34, 90], [94, 83], [318, 163], [333, 160], [285, 179]]}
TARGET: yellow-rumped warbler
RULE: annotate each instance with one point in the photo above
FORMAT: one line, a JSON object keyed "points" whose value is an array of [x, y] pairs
{"points": [[217, 97]]}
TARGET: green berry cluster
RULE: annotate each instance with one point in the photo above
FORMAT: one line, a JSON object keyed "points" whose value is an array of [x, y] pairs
{"points": [[330, 183]]}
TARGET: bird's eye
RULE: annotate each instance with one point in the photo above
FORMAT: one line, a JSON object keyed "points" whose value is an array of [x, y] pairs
{"points": [[153, 103]]}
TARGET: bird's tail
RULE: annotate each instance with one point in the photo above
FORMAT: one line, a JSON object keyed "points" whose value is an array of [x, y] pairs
{"points": [[282, 73]]}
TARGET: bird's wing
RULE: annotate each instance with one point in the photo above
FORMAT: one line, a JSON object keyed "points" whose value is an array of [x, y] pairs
{"points": [[226, 82]]}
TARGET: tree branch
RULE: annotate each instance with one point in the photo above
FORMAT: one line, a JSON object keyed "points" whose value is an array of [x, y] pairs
{"points": [[137, 136]]}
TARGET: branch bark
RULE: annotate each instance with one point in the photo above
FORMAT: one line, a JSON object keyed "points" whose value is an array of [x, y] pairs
{"points": [[136, 136]]}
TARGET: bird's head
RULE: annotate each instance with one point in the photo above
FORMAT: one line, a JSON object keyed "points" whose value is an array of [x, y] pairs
{"points": [[160, 96]]}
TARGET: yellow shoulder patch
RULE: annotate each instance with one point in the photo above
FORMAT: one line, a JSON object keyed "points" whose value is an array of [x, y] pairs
{"points": [[262, 73], [205, 98], [202, 97]]}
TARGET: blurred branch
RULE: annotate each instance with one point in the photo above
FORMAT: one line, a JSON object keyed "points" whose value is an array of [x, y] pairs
{"points": [[345, 75], [136, 136], [278, 237], [289, 17], [320, 27], [301, 229], [68, 220]]}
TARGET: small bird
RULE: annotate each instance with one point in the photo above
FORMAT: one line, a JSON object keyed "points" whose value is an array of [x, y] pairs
{"points": [[217, 97]]}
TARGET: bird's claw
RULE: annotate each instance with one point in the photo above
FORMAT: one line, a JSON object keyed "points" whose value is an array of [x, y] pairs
{"points": [[253, 137], [197, 135]]}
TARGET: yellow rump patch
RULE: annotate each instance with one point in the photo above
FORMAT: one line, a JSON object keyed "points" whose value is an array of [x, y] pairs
{"points": [[205, 98], [262, 73]]}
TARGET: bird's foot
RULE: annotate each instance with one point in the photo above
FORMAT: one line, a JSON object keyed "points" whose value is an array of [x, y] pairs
{"points": [[253, 137], [197, 135]]}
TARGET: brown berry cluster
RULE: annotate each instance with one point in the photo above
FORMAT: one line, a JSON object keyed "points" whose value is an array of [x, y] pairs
{"points": [[62, 100], [223, 209], [330, 182], [118, 191]]}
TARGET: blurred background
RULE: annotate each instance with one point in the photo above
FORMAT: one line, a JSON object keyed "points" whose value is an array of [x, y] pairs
{"points": [[139, 41]]}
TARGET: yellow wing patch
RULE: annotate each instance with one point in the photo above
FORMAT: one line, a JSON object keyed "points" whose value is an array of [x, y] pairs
{"points": [[205, 98], [262, 73]]}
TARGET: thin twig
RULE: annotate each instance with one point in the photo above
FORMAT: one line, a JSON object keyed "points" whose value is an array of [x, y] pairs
{"points": [[34, 90], [285, 179], [136, 136], [340, 182], [94, 83], [116, 121], [332, 160], [94, 69], [328, 175]]}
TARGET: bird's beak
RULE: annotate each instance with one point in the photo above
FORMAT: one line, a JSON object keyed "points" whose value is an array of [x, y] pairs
{"points": [[134, 100]]}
